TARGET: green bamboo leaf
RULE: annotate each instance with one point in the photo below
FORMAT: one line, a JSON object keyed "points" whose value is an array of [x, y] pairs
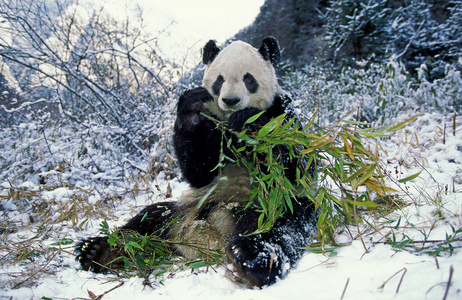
{"points": [[339, 169], [264, 178], [322, 218], [372, 134], [368, 173], [352, 122], [320, 197], [197, 264], [368, 204], [289, 203], [207, 194], [357, 174], [254, 118], [144, 240], [310, 123], [288, 125], [348, 147], [396, 127], [260, 220], [409, 178], [326, 140], [271, 125], [263, 204], [273, 199], [355, 141], [273, 141], [225, 157]]}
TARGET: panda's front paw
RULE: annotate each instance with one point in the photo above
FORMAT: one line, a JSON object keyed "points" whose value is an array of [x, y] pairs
{"points": [[193, 100], [190, 107], [256, 263], [94, 254]]}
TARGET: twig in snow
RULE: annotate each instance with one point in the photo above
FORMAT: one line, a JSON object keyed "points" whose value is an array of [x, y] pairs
{"points": [[444, 134], [46, 141], [98, 297], [454, 124], [344, 289], [400, 281], [436, 261], [451, 271]]}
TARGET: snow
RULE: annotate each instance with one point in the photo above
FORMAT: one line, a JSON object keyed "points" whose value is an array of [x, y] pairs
{"points": [[316, 277]]}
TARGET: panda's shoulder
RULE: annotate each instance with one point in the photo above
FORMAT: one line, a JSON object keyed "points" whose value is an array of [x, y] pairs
{"points": [[284, 99], [282, 103]]}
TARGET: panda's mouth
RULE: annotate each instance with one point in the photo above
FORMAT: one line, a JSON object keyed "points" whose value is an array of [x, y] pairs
{"points": [[230, 105], [227, 114]]}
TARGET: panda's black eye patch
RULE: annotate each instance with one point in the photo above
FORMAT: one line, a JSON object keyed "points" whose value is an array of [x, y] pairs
{"points": [[250, 83], [216, 87]]}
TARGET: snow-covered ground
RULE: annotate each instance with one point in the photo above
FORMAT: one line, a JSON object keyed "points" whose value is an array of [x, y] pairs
{"points": [[374, 270]]}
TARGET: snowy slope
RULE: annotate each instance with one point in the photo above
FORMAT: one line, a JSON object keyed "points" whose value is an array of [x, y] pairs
{"points": [[350, 271]]}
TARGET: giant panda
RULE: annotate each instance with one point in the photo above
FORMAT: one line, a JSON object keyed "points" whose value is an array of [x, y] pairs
{"points": [[239, 82]]}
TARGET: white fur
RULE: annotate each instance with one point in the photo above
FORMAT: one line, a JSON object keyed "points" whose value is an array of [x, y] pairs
{"points": [[233, 62], [191, 235]]}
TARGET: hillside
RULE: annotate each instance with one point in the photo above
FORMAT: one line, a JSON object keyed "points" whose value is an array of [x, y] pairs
{"points": [[342, 32]]}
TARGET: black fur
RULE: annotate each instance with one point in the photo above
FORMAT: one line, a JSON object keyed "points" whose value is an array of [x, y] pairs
{"points": [[196, 140], [216, 87], [250, 83], [269, 49], [258, 260], [211, 51], [263, 258]]}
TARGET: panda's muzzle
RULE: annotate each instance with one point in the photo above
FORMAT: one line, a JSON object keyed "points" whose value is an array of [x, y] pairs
{"points": [[231, 101]]}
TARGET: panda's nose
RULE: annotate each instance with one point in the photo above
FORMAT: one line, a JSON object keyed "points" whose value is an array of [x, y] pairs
{"points": [[231, 101]]}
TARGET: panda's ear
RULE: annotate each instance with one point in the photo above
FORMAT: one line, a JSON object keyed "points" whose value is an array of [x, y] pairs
{"points": [[211, 50], [269, 49]]}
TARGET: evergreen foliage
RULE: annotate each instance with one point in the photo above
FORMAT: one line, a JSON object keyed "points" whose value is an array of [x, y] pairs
{"points": [[355, 32], [363, 30]]}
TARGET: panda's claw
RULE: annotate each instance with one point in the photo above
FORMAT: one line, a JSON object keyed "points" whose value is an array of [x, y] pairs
{"points": [[95, 253]]}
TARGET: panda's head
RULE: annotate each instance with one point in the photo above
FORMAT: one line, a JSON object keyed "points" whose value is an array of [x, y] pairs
{"points": [[240, 76]]}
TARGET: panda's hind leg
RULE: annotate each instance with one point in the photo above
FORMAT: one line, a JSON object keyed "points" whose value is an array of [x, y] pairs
{"points": [[153, 219], [255, 264], [259, 259], [96, 255]]}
